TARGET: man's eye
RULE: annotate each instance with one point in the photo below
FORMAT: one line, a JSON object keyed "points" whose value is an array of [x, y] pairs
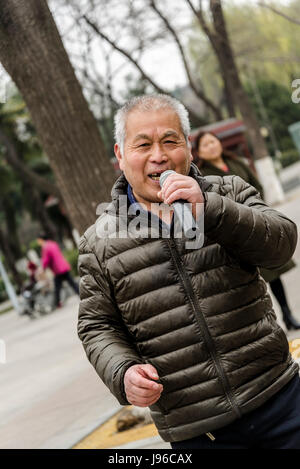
{"points": [[169, 141], [144, 145]]}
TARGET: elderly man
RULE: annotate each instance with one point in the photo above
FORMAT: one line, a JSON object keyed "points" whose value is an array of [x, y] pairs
{"points": [[191, 333]]}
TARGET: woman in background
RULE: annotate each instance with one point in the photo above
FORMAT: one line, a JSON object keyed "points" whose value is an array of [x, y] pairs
{"points": [[53, 258], [211, 159]]}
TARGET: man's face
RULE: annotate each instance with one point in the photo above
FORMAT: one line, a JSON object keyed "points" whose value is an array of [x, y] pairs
{"points": [[154, 143]]}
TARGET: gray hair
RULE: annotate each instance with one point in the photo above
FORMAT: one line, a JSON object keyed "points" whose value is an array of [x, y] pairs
{"points": [[152, 102]]}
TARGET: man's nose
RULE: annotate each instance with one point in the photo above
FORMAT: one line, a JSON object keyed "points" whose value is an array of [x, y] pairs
{"points": [[157, 154]]}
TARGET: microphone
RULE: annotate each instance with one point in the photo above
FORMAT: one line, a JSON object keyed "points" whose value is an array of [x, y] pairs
{"points": [[181, 209]]}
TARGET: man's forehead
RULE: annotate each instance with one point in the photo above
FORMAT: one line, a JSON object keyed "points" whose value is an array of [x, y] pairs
{"points": [[162, 134], [165, 121]]}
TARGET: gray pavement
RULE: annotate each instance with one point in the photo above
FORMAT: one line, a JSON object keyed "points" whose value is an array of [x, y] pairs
{"points": [[50, 395]]}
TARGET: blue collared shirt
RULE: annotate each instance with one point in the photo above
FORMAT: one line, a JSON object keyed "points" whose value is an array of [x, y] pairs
{"points": [[131, 197], [133, 200]]}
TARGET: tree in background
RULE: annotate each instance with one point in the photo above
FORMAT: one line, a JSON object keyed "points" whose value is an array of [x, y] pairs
{"points": [[98, 28], [272, 7], [26, 180], [218, 36], [20, 150], [33, 54], [143, 29], [9, 202], [280, 110], [267, 46]]}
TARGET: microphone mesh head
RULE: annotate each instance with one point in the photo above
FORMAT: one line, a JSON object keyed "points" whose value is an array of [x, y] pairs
{"points": [[164, 176]]}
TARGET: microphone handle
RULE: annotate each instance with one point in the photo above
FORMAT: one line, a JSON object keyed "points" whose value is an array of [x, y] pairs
{"points": [[185, 217], [181, 209]]}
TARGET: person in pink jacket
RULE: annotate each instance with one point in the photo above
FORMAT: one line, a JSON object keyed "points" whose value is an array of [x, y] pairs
{"points": [[53, 258]]}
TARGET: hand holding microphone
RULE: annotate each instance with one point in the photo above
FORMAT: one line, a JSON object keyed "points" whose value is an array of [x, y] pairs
{"points": [[179, 190]]}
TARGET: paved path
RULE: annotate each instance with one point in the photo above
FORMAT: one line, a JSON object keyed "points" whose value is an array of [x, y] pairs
{"points": [[291, 279], [50, 396]]}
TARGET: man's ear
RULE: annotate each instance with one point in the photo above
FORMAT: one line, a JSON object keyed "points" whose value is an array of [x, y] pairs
{"points": [[190, 147], [119, 156]]}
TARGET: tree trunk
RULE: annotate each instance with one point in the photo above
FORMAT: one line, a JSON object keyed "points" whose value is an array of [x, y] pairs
{"points": [[33, 54], [233, 82], [229, 101], [263, 162]]}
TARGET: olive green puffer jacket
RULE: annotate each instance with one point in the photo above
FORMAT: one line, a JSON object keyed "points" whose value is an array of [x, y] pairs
{"points": [[201, 317]]}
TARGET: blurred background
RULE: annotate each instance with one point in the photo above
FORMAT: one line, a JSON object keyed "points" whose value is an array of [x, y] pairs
{"points": [[234, 65], [66, 66]]}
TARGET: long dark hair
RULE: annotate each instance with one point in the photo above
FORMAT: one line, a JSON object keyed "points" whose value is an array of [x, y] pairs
{"points": [[197, 158]]}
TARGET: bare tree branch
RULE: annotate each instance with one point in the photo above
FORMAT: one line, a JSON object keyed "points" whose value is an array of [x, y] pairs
{"points": [[90, 65], [192, 84], [279, 60], [277, 12], [206, 29], [132, 60], [123, 52], [216, 40]]}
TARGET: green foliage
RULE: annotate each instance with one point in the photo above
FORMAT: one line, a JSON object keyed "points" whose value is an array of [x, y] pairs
{"points": [[35, 246], [6, 178], [3, 294], [289, 157], [72, 258], [15, 191], [265, 44], [280, 109]]}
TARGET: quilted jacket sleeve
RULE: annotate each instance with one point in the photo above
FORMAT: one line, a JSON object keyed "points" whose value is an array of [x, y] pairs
{"points": [[100, 328], [246, 226]]}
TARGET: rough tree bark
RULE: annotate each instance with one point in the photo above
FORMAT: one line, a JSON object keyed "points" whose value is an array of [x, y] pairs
{"points": [[33, 54]]}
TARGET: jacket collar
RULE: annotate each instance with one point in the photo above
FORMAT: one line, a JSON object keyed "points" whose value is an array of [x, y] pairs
{"points": [[120, 186], [119, 205]]}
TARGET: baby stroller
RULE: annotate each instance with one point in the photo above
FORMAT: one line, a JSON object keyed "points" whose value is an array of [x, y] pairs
{"points": [[36, 299]]}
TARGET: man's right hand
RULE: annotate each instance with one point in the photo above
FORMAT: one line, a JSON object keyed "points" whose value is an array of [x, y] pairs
{"points": [[140, 388]]}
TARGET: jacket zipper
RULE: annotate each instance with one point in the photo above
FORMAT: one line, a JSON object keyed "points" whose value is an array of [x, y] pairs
{"points": [[202, 324]]}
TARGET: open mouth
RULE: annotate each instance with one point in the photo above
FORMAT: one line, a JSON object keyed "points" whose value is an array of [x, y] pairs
{"points": [[154, 176]]}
